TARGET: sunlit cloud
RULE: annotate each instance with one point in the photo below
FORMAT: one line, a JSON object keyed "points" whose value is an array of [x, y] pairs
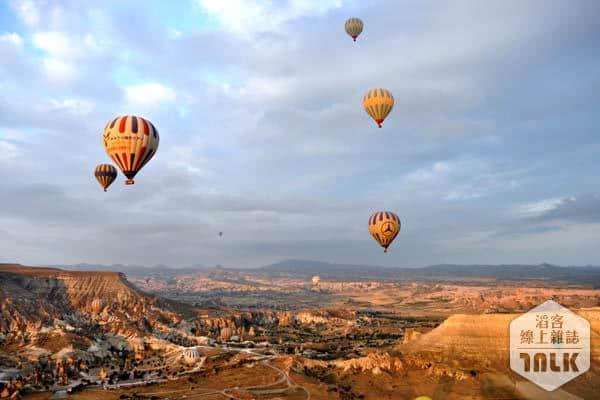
{"points": [[12, 38], [8, 151], [149, 94], [27, 10], [251, 16]]}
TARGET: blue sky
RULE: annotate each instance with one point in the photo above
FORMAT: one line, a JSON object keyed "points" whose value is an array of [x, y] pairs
{"points": [[490, 154]]}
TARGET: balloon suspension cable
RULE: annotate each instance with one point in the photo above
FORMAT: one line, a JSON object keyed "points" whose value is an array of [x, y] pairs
{"points": [[105, 189], [354, 38], [129, 182]]}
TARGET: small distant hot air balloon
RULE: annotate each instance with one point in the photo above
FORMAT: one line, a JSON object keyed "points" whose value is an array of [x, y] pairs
{"points": [[378, 103], [384, 227], [226, 333], [316, 280], [191, 355], [131, 142], [105, 174], [354, 27], [97, 305], [220, 233]]}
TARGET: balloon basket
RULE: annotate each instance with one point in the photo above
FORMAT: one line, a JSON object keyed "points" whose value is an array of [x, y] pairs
{"points": [[129, 182]]}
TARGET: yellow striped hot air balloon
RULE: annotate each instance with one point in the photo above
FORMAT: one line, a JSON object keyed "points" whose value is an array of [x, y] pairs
{"points": [[131, 142], [105, 174], [354, 27], [378, 103], [384, 227]]}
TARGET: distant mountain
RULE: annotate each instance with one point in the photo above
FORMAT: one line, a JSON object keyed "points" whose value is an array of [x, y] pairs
{"points": [[324, 269], [304, 268]]}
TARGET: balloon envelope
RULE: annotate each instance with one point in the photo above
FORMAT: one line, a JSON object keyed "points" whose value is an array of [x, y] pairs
{"points": [[354, 27], [105, 174], [131, 142], [378, 103], [384, 227]]}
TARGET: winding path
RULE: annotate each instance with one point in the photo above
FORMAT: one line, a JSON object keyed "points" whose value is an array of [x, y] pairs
{"points": [[255, 390]]}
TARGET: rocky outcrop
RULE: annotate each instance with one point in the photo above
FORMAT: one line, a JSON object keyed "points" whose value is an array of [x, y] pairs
{"points": [[411, 334], [479, 341], [33, 298], [373, 362]]}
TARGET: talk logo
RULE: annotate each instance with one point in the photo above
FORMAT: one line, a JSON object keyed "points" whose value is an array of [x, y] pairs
{"points": [[550, 345]]}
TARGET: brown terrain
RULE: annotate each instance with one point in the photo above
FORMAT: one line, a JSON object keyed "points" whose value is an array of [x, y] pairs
{"points": [[224, 334]]}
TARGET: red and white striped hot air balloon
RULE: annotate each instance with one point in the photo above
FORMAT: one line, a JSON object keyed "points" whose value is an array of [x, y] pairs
{"points": [[130, 142]]}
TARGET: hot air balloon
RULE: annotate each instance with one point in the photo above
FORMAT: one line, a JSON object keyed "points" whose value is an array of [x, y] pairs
{"points": [[378, 103], [226, 334], [316, 279], [191, 355], [384, 226], [105, 174], [131, 142], [354, 27], [97, 305], [220, 233]]}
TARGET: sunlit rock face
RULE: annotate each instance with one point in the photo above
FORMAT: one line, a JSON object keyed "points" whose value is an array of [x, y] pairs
{"points": [[34, 299], [479, 340]]}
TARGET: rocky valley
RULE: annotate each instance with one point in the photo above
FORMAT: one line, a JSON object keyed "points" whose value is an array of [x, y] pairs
{"points": [[221, 333]]}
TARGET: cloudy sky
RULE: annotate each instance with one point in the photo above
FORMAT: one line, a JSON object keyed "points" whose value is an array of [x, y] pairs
{"points": [[490, 155]]}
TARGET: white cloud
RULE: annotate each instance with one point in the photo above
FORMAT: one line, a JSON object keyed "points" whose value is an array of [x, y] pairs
{"points": [[58, 70], [12, 38], [55, 43], [74, 106], [438, 171], [65, 52], [251, 16], [570, 240], [8, 151], [186, 159], [149, 94], [465, 179], [11, 135], [174, 33], [538, 208], [28, 11], [61, 45]]}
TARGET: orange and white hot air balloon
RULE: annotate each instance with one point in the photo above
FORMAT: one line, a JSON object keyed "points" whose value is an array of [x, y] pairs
{"points": [[378, 103], [105, 174], [130, 142], [353, 27], [384, 227]]}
